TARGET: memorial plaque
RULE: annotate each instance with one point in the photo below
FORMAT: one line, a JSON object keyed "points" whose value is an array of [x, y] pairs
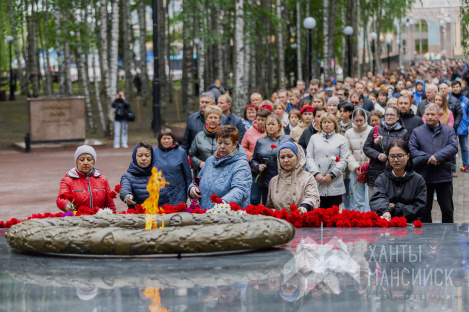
{"points": [[57, 120]]}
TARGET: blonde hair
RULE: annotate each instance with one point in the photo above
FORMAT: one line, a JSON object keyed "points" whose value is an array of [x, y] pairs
{"points": [[407, 93], [278, 103], [322, 98], [213, 109], [444, 107], [226, 97], [391, 101], [279, 122], [294, 112], [332, 118]]}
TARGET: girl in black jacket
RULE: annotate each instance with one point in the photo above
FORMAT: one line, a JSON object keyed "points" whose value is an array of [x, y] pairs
{"points": [[399, 191]]}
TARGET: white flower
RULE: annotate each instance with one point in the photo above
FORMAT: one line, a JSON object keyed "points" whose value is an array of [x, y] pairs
{"points": [[105, 211], [224, 209], [332, 158]]}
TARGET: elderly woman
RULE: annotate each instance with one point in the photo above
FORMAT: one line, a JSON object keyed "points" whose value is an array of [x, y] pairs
{"points": [[378, 141], [327, 159], [134, 182], [204, 144], [172, 161], [399, 191], [249, 116], [85, 183], [225, 174], [264, 159], [293, 185]]}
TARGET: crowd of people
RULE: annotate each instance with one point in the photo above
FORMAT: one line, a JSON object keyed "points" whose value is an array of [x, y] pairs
{"points": [[386, 143]]}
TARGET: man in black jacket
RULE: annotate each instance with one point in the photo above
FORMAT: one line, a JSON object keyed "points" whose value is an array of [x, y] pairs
{"points": [[453, 105], [224, 102], [407, 114]]}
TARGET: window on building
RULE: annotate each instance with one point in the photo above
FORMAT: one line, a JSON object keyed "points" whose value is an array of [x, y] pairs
{"points": [[404, 45], [421, 36], [424, 46], [417, 46], [423, 26]]}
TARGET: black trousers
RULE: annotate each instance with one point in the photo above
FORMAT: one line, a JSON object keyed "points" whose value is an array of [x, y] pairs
{"points": [[264, 193], [329, 201], [444, 195]]}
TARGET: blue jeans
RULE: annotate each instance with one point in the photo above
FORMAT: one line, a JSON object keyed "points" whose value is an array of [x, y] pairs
{"points": [[255, 191], [118, 127], [464, 150], [347, 197], [359, 194]]}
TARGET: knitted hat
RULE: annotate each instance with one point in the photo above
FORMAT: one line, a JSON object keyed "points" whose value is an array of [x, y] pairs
{"points": [[85, 149], [333, 100], [289, 145], [307, 108]]}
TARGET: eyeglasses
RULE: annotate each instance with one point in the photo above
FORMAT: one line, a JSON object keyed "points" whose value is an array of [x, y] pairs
{"points": [[390, 115], [398, 156]]}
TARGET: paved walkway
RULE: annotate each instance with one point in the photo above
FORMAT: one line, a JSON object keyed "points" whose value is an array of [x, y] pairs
{"points": [[30, 182]]}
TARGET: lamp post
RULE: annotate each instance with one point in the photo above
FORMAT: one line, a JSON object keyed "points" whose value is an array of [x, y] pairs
{"points": [[156, 73], [348, 31], [12, 86], [309, 23], [388, 43], [373, 37]]}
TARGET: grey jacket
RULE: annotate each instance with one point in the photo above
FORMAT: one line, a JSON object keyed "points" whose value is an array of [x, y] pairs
{"points": [[203, 146], [321, 148]]}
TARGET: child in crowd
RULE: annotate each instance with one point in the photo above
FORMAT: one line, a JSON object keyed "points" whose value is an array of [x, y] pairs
{"points": [[294, 117], [375, 117]]}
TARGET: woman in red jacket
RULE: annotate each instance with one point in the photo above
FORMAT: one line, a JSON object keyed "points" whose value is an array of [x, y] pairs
{"points": [[85, 184]]}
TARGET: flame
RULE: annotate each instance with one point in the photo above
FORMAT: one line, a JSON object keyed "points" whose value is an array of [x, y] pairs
{"points": [[150, 205], [154, 295]]}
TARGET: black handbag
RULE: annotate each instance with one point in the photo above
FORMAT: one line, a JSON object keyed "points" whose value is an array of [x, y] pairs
{"points": [[130, 116]]}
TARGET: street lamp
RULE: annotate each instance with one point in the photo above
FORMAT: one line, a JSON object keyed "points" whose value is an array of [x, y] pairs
{"points": [[348, 31], [388, 43], [373, 37], [12, 87], [309, 23]]}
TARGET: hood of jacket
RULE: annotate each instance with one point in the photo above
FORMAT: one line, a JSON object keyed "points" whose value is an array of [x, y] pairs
{"points": [[240, 155], [400, 180], [301, 163], [424, 88], [138, 171], [76, 174]]}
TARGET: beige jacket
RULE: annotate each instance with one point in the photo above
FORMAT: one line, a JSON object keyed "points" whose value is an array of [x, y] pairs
{"points": [[293, 187], [356, 138], [298, 131]]}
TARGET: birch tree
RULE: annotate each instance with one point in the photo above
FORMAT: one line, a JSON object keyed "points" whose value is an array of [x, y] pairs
{"points": [[103, 57], [325, 39], [143, 50], [125, 12], [280, 46], [239, 91], [187, 66], [13, 18], [299, 67], [95, 75], [113, 51]]}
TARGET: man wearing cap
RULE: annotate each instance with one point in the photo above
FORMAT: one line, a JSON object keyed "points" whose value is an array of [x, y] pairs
{"points": [[306, 119], [196, 121]]}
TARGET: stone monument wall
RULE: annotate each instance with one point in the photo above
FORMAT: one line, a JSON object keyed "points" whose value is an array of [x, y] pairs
{"points": [[57, 120]]}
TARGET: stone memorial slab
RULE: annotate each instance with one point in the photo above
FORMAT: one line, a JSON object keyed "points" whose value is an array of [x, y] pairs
{"points": [[57, 120]]}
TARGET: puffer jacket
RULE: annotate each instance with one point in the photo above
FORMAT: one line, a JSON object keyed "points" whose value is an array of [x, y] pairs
{"points": [[135, 182], [90, 190], [320, 149], [195, 124], [250, 139], [443, 144], [229, 178], [455, 107], [293, 187], [373, 150], [262, 152], [296, 132], [356, 138], [203, 146], [233, 120], [344, 127], [407, 193], [176, 170]]}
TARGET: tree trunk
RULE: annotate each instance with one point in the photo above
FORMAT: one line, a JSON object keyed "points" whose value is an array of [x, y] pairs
{"points": [[201, 33], [23, 81], [59, 47], [103, 57], [113, 51], [268, 84], [332, 20], [364, 39], [239, 88], [169, 88], [280, 46], [32, 56], [125, 13], [48, 87], [378, 45], [299, 69], [355, 59], [219, 44], [96, 53], [27, 61], [325, 38], [143, 50], [161, 54], [187, 66]]}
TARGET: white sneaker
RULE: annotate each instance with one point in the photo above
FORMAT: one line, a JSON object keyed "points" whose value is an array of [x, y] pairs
{"points": [[125, 146], [434, 196], [116, 146]]}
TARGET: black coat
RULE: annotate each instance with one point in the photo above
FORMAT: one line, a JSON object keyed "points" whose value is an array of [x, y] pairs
{"points": [[407, 193], [237, 122], [367, 104], [306, 136], [421, 108], [122, 107], [373, 150], [411, 121], [455, 107]]}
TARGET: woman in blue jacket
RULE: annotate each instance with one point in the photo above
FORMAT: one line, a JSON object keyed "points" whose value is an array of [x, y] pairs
{"points": [[134, 182], [173, 162]]}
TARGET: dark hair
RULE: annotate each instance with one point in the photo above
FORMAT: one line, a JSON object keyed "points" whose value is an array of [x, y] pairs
{"points": [[346, 93], [347, 106], [318, 109], [314, 82], [228, 132], [456, 82], [148, 147], [263, 112], [246, 110], [166, 131], [404, 146], [306, 102]]}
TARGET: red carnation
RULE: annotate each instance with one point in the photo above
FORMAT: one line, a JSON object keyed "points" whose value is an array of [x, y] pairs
{"points": [[463, 169], [182, 206], [337, 159], [139, 209], [117, 188], [214, 199], [113, 194], [293, 208], [418, 223], [273, 146]]}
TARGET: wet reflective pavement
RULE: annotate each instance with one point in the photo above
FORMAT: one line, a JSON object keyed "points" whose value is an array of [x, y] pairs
{"points": [[330, 269]]}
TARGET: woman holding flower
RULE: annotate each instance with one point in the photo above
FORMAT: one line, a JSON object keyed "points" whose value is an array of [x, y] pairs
{"points": [[327, 159], [378, 140], [225, 174], [293, 185], [84, 185], [134, 182], [399, 191], [264, 159]]}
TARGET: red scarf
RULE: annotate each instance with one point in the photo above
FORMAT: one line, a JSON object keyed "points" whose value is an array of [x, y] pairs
{"points": [[210, 130]]}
